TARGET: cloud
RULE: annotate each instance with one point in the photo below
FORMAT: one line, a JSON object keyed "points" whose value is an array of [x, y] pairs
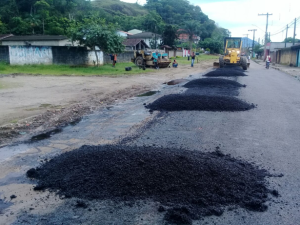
{"points": [[239, 16]]}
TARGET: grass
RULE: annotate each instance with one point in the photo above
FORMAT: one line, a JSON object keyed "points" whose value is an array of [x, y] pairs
{"points": [[59, 70], [202, 57]]}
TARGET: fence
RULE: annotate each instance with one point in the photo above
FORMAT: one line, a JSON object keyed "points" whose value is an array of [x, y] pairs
{"points": [[21, 55]]}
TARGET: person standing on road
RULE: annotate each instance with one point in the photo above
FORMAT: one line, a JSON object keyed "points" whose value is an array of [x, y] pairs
{"points": [[155, 58], [193, 59], [268, 60], [115, 60]]}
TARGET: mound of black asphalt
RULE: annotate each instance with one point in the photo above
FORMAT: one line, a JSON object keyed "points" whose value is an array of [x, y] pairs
{"points": [[213, 82], [226, 72], [179, 102], [187, 184]]}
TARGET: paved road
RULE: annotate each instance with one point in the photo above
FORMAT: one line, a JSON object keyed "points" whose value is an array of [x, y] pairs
{"points": [[267, 136]]}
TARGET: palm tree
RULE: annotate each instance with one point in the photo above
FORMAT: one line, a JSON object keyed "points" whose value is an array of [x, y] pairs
{"points": [[192, 29]]}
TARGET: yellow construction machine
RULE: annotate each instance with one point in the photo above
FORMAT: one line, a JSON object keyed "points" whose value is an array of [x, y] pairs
{"points": [[144, 58], [233, 54]]}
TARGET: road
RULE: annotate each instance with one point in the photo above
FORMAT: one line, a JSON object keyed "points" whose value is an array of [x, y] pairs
{"points": [[267, 136]]}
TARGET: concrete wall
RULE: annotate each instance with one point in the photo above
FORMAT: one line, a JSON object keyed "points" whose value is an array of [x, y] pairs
{"points": [[20, 55], [70, 55], [123, 57], [288, 57], [4, 54]]}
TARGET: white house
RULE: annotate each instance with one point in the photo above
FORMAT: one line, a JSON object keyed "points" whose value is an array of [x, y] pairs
{"points": [[134, 31], [147, 37]]}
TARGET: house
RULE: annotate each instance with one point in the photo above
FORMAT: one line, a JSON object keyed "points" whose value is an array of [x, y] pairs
{"points": [[134, 31], [185, 37], [272, 48], [37, 40], [135, 44], [123, 33], [3, 36], [147, 37], [288, 56]]}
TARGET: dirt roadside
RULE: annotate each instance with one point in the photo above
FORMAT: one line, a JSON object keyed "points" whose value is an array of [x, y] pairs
{"points": [[35, 104]]}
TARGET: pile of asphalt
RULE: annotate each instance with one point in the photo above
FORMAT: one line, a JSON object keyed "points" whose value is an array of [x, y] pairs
{"points": [[179, 102], [226, 72], [188, 184], [213, 82]]}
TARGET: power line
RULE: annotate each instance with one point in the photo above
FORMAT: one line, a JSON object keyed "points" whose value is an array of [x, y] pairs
{"points": [[284, 28]]}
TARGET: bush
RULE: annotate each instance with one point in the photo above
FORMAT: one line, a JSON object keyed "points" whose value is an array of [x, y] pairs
{"points": [[207, 49]]}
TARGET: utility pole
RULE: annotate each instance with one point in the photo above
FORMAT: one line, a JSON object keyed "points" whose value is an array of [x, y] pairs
{"points": [[253, 41], [247, 40], [287, 28], [268, 14], [294, 31]]}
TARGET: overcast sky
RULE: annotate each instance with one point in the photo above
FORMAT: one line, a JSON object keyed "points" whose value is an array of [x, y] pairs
{"points": [[239, 16]]}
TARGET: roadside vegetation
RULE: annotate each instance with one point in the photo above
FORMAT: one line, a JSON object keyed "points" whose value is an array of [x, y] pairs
{"points": [[58, 70], [105, 70]]}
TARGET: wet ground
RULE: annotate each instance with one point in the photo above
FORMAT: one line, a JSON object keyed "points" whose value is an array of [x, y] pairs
{"points": [[267, 136]]}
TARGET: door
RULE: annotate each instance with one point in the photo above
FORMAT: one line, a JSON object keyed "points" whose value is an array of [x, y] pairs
{"points": [[298, 58]]}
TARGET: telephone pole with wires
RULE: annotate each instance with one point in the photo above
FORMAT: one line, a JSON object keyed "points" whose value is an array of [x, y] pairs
{"points": [[247, 39], [253, 41], [294, 31], [266, 36], [287, 29]]}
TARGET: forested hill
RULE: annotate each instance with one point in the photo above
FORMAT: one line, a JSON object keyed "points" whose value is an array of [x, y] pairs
{"points": [[24, 17]]}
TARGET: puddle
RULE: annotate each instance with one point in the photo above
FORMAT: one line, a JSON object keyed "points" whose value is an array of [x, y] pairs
{"points": [[149, 93], [46, 135]]}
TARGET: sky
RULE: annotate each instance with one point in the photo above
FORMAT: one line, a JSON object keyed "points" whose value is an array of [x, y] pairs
{"points": [[239, 16]]}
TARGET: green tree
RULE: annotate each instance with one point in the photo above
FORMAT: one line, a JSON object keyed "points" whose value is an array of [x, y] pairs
{"points": [[169, 35], [215, 46], [153, 22], [97, 33], [18, 26], [192, 29], [3, 29], [43, 9], [290, 40]]}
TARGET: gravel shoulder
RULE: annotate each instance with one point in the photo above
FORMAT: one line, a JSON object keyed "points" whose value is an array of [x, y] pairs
{"points": [[32, 104]]}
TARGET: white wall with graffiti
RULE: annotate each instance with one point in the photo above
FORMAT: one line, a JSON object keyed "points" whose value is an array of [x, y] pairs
{"points": [[21, 55]]}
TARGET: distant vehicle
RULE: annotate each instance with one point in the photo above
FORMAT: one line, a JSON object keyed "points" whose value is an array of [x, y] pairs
{"points": [[145, 58], [233, 54]]}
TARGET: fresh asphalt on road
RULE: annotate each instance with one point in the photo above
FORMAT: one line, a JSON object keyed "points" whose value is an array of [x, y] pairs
{"points": [[267, 136]]}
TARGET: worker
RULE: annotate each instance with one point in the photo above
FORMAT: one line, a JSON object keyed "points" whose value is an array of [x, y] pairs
{"points": [[115, 60], [193, 59], [155, 59], [175, 64]]}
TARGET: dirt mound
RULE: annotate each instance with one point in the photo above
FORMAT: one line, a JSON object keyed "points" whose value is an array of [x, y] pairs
{"points": [[188, 184], [212, 82], [179, 102], [226, 72]]}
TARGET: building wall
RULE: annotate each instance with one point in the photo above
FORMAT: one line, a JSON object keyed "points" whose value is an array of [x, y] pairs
{"points": [[4, 54], [288, 57], [69, 55], [20, 55], [123, 57]]}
